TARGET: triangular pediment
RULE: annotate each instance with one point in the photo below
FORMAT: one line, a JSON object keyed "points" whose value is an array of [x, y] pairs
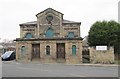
{"points": [[49, 10]]}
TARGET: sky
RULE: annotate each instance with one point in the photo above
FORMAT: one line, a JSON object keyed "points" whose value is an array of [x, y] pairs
{"points": [[15, 12]]}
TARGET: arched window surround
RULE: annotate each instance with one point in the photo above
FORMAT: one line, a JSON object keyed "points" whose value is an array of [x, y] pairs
{"points": [[49, 33], [28, 35], [48, 50], [74, 50], [71, 35]]}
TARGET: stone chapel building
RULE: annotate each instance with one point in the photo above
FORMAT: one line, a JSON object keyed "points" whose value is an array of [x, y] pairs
{"points": [[49, 39]]}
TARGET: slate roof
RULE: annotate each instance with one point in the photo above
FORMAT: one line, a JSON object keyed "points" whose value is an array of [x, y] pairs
{"points": [[67, 21], [35, 22], [29, 23]]}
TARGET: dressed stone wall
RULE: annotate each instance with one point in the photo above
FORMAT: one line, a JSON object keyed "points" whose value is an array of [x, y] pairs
{"points": [[99, 56]]}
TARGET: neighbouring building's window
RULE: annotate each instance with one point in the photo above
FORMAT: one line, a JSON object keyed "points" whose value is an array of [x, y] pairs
{"points": [[49, 33], [74, 50], [47, 50], [29, 35], [70, 34]]}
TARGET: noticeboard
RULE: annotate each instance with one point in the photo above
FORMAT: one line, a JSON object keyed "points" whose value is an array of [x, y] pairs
{"points": [[101, 47]]}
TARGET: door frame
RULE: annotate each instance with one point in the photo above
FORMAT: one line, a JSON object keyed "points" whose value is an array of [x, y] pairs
{"points": [[59, 48], [37, 45]]}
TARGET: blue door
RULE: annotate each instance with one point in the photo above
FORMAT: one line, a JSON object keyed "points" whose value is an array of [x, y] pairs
{"points": [[28, 35], [74, 50], [70, 34], [49, 33]]}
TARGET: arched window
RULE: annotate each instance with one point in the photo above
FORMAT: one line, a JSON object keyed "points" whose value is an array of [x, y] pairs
{"points": [[49, 33], [70, 34], [47, 50], [23, 48], [74, 50], [29, 35]]}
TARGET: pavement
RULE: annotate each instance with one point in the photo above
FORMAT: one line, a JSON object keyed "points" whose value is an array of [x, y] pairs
{"points": [[84, 64], [110, 65]]}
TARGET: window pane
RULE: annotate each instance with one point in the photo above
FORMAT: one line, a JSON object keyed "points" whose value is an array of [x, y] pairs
{"points": [[29, 35], [49, 33], [47, 50]]}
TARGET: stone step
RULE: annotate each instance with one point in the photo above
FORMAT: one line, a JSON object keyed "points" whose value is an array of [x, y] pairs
{"points": [[60, 60]]}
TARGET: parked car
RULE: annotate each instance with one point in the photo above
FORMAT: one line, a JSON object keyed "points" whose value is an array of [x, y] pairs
{"points": [[9, 55]]}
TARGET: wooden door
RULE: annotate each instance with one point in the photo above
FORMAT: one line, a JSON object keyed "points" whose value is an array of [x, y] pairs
{"points": [[61, 50], [35, 51]]}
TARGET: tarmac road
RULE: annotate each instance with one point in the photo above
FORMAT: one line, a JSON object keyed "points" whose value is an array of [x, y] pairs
{"points": [[14, 69]]}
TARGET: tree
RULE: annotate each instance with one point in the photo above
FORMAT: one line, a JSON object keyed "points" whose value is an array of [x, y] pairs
{"points": [[105, 33]]}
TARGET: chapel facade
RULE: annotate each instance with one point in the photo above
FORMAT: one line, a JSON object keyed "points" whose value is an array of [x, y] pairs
{"points": [[50, 39]]}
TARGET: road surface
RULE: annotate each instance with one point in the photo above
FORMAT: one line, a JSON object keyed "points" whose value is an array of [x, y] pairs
{"points": [[14, 69]]}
